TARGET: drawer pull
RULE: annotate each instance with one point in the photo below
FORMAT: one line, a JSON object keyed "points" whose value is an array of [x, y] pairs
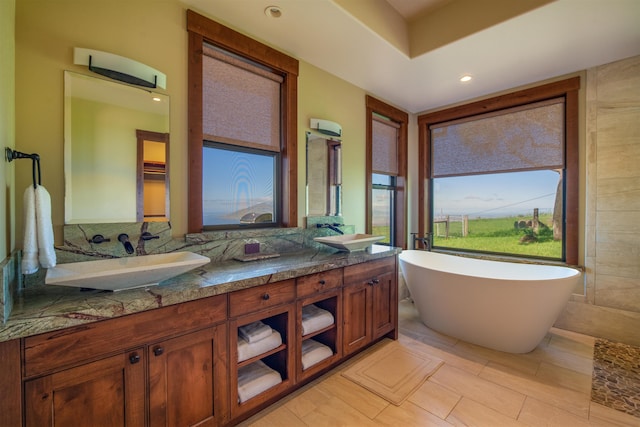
{"points": [[373, 282], [265, 297], [134, 358], [158, 351], [322, 282]]}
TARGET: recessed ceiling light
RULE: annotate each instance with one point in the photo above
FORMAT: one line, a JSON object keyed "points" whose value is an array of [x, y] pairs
{"points": [[273, 11], [466, 78]]}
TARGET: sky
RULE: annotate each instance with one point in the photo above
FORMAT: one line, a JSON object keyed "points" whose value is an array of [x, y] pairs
{"points": [[496, 195]]}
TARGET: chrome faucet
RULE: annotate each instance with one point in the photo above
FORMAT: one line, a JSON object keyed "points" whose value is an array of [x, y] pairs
{"points": [[124, 239], [333, 227], [427, 240]]}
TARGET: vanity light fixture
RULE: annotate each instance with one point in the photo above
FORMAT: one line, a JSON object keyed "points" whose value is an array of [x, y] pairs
{"points": [[119, 68], [326, 127], [466, 78], [273, 11]]}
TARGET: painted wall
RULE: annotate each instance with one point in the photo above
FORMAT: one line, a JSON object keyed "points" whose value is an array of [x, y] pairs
{"points": [[154, 33], [7, 124]]}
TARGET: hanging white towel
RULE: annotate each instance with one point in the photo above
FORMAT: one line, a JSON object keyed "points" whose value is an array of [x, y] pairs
{"points": [[38, 247], [46, 252], [30, 243]]}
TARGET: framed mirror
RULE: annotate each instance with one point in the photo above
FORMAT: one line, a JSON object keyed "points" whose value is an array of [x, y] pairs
{"points": [[116, 152], [324, 175]]}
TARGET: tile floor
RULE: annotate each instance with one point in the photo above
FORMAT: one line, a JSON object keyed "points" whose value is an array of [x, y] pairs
{"points": [[551, 386]]}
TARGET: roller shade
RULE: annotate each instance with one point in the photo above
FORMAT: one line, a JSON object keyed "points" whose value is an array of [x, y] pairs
{"points": [[241, 101], [384, 146], [517, 139]]}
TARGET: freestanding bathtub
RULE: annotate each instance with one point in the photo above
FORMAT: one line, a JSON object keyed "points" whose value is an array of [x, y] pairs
{"points": [[501, 305]]}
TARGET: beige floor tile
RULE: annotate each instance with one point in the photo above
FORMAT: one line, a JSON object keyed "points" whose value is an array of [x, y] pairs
{"points": [[472, 365], [601, 416], [540, 414], [307, 402], [408, 415], [281, 417], [358, 397], [488, 393], [572, 401], [574, 342], [471, 413], [517, 362], [565, 356], [336, 413], [563, 377], [435, 398]]}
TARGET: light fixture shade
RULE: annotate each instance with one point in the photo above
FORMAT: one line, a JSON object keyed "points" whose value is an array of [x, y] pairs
{"points": [[119, 68], [326, 127]]}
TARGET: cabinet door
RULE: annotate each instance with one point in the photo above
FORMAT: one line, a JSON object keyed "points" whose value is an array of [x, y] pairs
{"points": [[356, 316], [107, 392], [384, 304], [182, 375]]}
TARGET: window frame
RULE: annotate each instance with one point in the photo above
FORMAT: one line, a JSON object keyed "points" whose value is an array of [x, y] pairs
{"points": [[201, 29], [374, 105], [565, 88]]}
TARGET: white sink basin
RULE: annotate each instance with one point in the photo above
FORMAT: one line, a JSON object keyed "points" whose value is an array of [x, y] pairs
{"points": [[124, 273], [349, 242]]}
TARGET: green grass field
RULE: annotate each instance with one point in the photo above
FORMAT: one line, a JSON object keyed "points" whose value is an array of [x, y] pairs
{"points": [[496, 235]]}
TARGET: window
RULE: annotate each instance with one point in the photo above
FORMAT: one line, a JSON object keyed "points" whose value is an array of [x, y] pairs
{"points": [[500, 175], [386, 171], [242, 130]]}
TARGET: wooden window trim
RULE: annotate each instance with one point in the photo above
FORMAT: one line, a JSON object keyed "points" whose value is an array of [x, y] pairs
{"points": [[203, 29], [374, 105], [565, 88]]}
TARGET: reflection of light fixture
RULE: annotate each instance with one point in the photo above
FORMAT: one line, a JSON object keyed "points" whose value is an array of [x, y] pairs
{"points": [[119, 68], [273, 11], [156, 99], [326, 127], [466, 78]]}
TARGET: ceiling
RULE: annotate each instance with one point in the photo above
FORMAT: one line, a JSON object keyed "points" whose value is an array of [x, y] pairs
{"points": [[389, 49]]}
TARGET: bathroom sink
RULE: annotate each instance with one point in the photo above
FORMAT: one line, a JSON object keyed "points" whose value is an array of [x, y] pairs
{"points": [[124, 273], [349, 242]]}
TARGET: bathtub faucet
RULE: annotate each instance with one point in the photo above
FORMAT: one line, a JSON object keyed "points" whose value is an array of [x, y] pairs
{"points": [[333, 227], [426, 241]]}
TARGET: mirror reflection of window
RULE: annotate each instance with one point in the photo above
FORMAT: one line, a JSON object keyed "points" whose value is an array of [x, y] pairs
{"points": [[153, 176]]}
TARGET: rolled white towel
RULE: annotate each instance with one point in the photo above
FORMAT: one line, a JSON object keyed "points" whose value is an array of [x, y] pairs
{"points": [[315, 318], [30, 243], [314, 352], [46, 251], [255, 331], [255, 378], [247, 350]]}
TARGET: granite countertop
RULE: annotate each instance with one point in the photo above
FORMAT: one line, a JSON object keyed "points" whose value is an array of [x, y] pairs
{"points": [[45, 308]]}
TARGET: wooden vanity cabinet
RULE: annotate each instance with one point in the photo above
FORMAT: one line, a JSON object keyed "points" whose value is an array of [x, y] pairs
{"points": [[107, 392], [274, 305], [370, 302], [106, 373], [325, 291]]}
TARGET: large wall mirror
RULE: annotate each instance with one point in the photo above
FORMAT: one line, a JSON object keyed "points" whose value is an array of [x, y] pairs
{"points": [[116, 152], [324, 175]]}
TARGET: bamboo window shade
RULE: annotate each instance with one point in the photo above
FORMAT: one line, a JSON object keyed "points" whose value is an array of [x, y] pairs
{"points": [[241, 101], [524, 138], [384, 145]]}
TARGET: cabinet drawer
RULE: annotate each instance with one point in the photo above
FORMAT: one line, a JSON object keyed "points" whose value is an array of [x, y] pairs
{"points": [[260, 297], [366, 271], [319, 282], [60, 349]]}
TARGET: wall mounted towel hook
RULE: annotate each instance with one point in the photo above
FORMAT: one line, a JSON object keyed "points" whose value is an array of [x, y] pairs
{"points": [[11, 155]]}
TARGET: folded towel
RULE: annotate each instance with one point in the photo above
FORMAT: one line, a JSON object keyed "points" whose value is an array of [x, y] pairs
{"points": [[315, 318], [255, 331], [247, 351], [314, 352], [46, 252], [255, 378], [30, 242]]}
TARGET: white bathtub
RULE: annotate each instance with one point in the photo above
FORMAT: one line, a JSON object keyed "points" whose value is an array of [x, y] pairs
{"points": [[501, 305]]}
